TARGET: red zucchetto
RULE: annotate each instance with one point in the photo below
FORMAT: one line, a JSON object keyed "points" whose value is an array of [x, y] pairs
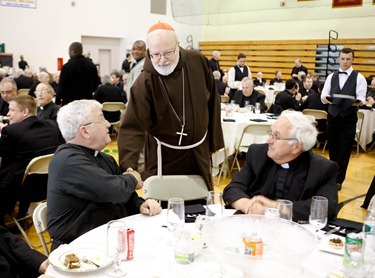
{"points": [[160, 26]]}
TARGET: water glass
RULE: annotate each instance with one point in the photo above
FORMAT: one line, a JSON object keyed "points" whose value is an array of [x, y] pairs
{"points": [[285, 208], [175, 214], [318, 212], [257, 108], [215, 204], [117, 245]]}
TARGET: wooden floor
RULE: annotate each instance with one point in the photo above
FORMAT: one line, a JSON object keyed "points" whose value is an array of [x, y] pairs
{"points": [[360, 173]]}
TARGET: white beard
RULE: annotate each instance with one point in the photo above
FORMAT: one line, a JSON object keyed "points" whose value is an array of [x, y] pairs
{"points": [[167, 68]]}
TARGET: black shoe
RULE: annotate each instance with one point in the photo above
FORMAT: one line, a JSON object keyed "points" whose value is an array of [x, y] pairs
{"points": [[339, 186]]}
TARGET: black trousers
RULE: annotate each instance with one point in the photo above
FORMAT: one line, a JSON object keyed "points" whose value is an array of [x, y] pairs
{"points": [[341, 133]]}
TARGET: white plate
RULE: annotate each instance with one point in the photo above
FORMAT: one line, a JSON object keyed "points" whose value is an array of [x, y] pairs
{"points": [[325, 246], [93, 252]]}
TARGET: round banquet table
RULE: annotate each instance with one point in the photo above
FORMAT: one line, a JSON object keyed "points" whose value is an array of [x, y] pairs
{"points": [[153, 253]]}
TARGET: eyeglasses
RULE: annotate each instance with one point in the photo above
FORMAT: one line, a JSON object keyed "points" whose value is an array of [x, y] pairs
{"points": [[167, 55], [42, 92], [101, 121], [275, 136], [8, 92]]}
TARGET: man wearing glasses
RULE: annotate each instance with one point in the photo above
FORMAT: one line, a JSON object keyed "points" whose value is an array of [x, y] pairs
{"points": [[175, 103], [284, 168], [8, 90]]}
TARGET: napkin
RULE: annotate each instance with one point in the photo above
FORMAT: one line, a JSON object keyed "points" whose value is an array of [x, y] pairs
{"points": [[258, 120], [348, 225], [192, 211]]}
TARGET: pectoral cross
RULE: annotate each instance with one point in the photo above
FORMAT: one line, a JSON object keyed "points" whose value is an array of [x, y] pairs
{"points": [[181, 133]]}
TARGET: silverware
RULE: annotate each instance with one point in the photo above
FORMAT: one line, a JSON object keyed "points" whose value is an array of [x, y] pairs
{"points": [[332, 231], [87, 261]]}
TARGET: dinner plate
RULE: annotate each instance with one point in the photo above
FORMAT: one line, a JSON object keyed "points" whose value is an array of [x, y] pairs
{"points": [[325, 246], [93, 252]]}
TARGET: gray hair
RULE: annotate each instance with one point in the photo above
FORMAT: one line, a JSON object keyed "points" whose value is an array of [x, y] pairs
{"points": [[106, 79], [75, 114], [302, 129], [216, 74], [248, 79], [9, 80]]}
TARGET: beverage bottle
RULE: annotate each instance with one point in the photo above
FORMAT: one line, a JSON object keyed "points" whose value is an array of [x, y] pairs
{"points": [[184, 249], [353, 256], [369, 239]]}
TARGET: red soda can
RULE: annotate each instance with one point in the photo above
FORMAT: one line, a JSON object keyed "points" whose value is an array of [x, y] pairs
{"points": [[130, 242]]}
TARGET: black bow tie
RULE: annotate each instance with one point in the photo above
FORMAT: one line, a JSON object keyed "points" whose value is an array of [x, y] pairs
{"points": [[343, 72]]}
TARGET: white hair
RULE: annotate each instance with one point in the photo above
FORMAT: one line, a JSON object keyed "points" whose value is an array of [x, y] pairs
{"points": [[302, 129], [216, 74], [75, 114]]}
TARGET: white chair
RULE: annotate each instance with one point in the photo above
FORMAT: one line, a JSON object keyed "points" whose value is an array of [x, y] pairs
{"points": [[224, 168], [187, 187], [38, 165], [23, 92], [40, 224], [224, 98], [358, 132], [318, 115], [114, 107], [252, 129]]}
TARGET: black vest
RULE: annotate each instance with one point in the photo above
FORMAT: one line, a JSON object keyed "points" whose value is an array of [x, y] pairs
{"points": [[343, 107], [239, 74]]}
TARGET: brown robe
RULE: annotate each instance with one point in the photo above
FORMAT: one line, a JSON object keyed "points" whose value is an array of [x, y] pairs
{"points": [[149, 112]]}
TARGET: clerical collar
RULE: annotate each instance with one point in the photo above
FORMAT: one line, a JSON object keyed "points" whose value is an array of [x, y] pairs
{"points": [[96, 153], [296, 162], [285, 165]]}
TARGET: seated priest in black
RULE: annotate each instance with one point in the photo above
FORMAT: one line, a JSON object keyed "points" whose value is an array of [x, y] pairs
{"points": [[290, 98], [259, 81], [8, 91], [47, 109], [306, 87], [277, 78], [249, 94], [284, 168]]}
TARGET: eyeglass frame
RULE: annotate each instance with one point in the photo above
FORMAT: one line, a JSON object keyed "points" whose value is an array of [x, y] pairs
{"points": [[167, 55], [102, 120], [42, 92], [274, 138]]}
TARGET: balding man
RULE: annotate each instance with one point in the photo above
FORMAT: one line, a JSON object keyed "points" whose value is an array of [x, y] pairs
{"points": [[249, 94], [78, 78], [214, 63], [174, 103], [297, 68]]}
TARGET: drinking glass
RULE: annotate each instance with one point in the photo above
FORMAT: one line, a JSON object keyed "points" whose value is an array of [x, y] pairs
{"points": [[247, 103], [257, 108], [229, 110], [215, 204], [175, 214], [117, 245], [285, 208], [318, 212]]}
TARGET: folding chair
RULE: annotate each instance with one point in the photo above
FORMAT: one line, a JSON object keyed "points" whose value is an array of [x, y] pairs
{"points": [[114, 107], [38, 166], [224, 99], [187, 187], [23, 92], [358, 132], [252, 129], [40, 224], [318, 115], [224, 166]]}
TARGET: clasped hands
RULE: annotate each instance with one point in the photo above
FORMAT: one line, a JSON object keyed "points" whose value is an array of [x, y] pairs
{"points": [[255, 205]]}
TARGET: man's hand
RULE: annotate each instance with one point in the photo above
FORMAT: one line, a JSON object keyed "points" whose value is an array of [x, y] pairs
{"points": [[43, 266], [255, 205], [136, 175], [150, 207], [326, 101]]}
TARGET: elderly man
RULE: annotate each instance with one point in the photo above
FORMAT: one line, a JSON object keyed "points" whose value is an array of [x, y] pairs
{"points": [[43, 77], [175, 103], [24, 138], [85, 186], [237, 73], [344, 90], [78, 78], [298, 67], [277, 78], [214, 63], [139, 54], [249, 94], [8, 91], [47, 109], [284, 168], [260, 81]]}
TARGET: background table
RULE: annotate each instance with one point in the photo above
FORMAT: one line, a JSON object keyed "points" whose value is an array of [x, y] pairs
{"points": [[153, 256], [269, 91], [367, 129]]}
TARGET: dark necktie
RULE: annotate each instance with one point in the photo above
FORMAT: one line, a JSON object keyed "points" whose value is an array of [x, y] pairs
{"points": [[280, 183], [343, 72], [134, 64]]}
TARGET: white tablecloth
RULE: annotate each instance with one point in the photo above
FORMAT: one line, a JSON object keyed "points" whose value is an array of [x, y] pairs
{"points": [[367, 129], [153, 257]]}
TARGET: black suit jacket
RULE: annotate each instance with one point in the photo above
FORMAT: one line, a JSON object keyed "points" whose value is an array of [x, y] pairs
{"points": [[259, 83], [317, 176], [215, 66], [17, 259], [78, 80], [19, 143], [48, 112], [220, 86], [255, 97], [286, 100], [24, 82], [314, 101], [109, 93], [4, 107]]}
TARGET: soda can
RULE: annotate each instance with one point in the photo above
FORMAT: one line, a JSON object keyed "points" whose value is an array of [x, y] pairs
{"points": [[253, 246], [272, 213], [130, 242]]}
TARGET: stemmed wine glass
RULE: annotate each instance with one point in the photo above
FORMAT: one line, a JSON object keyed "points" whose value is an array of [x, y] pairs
{"points": [[117, 245], [318, 212]]}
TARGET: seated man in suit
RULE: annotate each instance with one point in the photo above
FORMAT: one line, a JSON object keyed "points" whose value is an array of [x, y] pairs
{"points": [[86, 187], [249, 94], [277, 79], [24, 138], [259, 81], [221, 87], [17, 259], [8, 90], [306, 88], [290, 98], [284, 168], [47, 109], [22, 81]]}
